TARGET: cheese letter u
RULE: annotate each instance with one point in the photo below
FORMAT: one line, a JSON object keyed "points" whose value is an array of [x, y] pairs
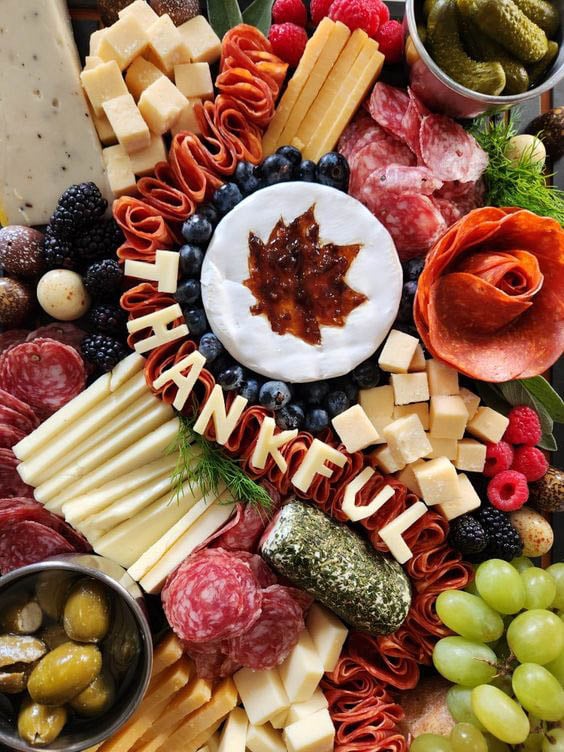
{"points": [[349, 507]]}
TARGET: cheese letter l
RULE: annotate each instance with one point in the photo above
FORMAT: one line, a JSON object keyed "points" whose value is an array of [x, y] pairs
{"points": [[164, 270], [214, 409], [392, 533], [314, 464], [268, 444], [349, 507], [158, 321], [185, 383]]}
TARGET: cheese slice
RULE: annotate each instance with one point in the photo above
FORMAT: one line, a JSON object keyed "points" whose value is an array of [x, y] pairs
{"points": [[234, 734], [168, 651], [302, 670], [262, 693], [328, 634], [202, 741], [392, 533]]}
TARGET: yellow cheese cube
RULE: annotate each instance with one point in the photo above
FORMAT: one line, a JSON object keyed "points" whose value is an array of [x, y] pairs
{"points": [[442, 448], [467, 500], [168, 651], [315, 733], [101, 83], [264, 739], [167, 46], [302, 670], [160, 104], [418, 362], [379, 424], [95, 40], [194, 80], [203, 43], [407, 439], [141, 11], [410, 387], [407, 477], [448, 417], [141, 74], [262, 694], [187, 120], [125, 118], [355, 429], [443, 380], [392, 533], [438, 481], [120, 173], [421, 409], [470, 456], [234, 733], [222, 702], [471, 401], [398, 352], [123, 41], [300, 710], [377, 402], [387, 460], [143, 162], [328, 634], [103, 128], [488, 425], [91, 61]]}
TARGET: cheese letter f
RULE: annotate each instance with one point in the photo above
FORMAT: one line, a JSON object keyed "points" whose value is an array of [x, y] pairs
{"points": [[314, 464]]}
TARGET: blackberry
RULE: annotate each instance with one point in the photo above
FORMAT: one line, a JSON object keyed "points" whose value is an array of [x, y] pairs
{"points": [[467, 535], [103, 279], [103, 351], [58, 253], [79, 206], [107, 318], [99, 241], [504, 541]]}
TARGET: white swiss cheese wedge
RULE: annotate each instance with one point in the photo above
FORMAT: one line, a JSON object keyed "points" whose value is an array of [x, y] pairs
{"points": [[375, 272]]}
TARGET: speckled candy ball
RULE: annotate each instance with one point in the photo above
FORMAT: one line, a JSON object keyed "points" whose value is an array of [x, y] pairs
{"points": [[21, 251], [61, 294], [179, 10], [536, 533], [16, 302]]}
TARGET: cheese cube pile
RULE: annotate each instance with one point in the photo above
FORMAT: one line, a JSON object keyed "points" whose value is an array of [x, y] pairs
{"points": [[142, 80]]}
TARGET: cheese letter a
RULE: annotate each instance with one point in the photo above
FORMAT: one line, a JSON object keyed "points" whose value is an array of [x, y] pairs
{"points": [[314, 464], [164, 270], [214, 409], [185, 383], [158, 321], [268, 444], [392, 533], [349, 507]]}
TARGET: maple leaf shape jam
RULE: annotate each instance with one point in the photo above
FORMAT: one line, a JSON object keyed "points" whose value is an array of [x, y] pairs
{"points": [[299, 283]]}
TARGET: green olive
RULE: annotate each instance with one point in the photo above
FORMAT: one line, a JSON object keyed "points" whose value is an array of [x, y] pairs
{"points": [[51, 589], [22, 617], [20, 649], [53, 636], [64, 673], [12, 682], [87, 611], [38, 724], [96, 698]]}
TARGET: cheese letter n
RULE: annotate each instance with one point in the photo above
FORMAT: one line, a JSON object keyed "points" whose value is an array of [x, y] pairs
{"points": [[164, 270], [185, 383], [214, 409], [268, 444], [158, 321], [314, 464]]}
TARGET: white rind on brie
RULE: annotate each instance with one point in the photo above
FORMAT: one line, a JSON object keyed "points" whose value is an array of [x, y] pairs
{"points": [[376, 272]]}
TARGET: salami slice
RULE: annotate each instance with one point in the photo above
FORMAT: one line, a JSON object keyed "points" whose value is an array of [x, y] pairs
{"points": [[12, 337], [27, 542], [18, 508], [15, 419], [10, 482], [8, 400], [402, 179], [246, 530], [375, 156], [44, 373], [264, 576], [361, 132], [388, 107], [63, 331], [10, 435], [449, 151]]}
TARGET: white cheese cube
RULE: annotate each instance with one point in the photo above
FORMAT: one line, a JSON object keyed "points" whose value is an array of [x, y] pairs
{"points": [[203, 43], [418, 362], [123, 41], [467, 500], [141, 11], [101, 83], [234, 733], [421, 409], [410, 387], [438, 481], [141, 74], [119, 171], [392, 533], [160, 104], [131, 130], [194, 80], [398, 352], [264, 739], [386, 460], [262, 694], [300, 710], [355, 429], [407, 477], [315, 733], [380, 424], [302, 670], [91, 61], [95, 40], [407, 439], [187, 120], [448, 417], [443, 380], [470, 456], [103, 128], [278, 721], [328, 634], [144, 160], [167, 46], [488, 425], [471, 401], [442, 448], [377, 402]]}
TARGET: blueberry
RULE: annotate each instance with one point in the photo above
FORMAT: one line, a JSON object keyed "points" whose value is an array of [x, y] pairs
{"points": [[222, 362], [197, 229], [246, 178], [231, 378], [367, 374], [210, 347], [249, 389], [316, 420], [290, 417], [405, 312], [292, 154], [315, 392], [346, 385], [188, 292], [274, 395], [413, 268], [333, 170], [227, 197], [307, 171], [191, 257], [210, 213], [196, 321], [336, 403], [276, 169]]}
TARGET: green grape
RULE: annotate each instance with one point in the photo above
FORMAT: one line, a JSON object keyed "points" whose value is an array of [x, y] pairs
{"points": [[501, 586], [556, 667], [459, 703], [466, 738], [503, 683], [538, 691], [500, 715], [522, 563], [557, 571], [540, 588], [533, 743], [536, 636], [553, 741], [495, 745], [471, 588], [464, 662], [469, 616], [430, 743]]}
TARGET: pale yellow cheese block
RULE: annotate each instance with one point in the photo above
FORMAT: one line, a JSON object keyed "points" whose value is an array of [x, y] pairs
{"points": [[168, 651], [202, 741]]}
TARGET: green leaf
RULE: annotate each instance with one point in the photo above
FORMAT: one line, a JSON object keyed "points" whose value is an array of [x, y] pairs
{"points": [[541, 390], [491, 396], [223, 15], [259, 14], [548, 442]]}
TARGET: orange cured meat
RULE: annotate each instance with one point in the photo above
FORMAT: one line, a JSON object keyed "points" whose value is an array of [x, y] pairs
{"points": [[245, 47], [164, 357], [142, 300], [163, 194], [144, 227], [251, 95]]}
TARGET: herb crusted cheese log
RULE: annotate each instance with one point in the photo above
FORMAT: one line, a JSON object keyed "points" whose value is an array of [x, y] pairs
{"points": [[335, 565]]}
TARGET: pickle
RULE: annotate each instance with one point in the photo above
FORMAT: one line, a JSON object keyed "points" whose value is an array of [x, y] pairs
{"points": [[13, 682], [87, 611], [22, 617], [428, 6], [20, 649], [64, 673], [447, 51], [538, 70], [38, 724], [541, 13], [52, 589], [96, 698]]}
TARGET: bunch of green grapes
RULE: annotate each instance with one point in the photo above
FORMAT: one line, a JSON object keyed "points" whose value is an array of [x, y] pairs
{"points": [[506, 661]]}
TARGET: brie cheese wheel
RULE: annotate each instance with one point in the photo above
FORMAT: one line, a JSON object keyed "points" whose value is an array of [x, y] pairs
{"points": [[375, 273]]}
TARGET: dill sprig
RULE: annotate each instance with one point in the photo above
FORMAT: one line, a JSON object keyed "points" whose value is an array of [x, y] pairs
{"points": [[522, 184], [203, 464]]}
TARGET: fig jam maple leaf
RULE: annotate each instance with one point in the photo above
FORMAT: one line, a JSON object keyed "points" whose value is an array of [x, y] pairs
{"points": [[298, 283]]}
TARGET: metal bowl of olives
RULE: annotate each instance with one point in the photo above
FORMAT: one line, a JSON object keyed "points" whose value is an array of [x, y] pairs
{"points": [[75, 653], [510, 82]]}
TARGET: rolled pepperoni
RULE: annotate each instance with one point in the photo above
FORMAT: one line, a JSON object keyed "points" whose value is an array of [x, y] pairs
{"points": [[251, 95], [145, 229]]}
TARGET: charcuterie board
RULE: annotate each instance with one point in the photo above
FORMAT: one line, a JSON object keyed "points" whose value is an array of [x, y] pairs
{"points": [[282, 317]]}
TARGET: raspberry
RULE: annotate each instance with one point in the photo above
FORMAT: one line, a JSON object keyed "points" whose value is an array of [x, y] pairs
{"points": [[390, 41], [508, 491], [288, 42], [383, 12], [531, 462], [289, 11], [356, 14], [498, 458], [524, 426], [319, 9]]}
